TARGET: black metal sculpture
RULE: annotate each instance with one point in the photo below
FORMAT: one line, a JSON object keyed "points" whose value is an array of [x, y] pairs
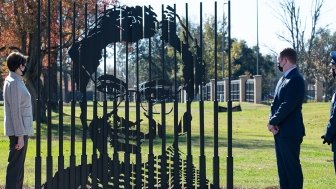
{"points": [[133, 24]]}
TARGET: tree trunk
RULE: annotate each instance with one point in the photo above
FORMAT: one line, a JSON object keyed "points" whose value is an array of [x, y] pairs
{"points": [[32, 77], [50, 78]]}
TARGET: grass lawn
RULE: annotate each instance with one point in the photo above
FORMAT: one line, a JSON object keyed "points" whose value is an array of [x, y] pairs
{"points": [[254, 156]]}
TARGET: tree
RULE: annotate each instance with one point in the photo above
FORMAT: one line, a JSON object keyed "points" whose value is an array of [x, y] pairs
{"points": [[323, 43], [245, 61], [267, 69], [296, 35], [158, 71], [18, 21], [3, 71], [209, 48]]}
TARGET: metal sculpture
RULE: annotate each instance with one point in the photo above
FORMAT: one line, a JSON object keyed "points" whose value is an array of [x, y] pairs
{"points": [[133, 24]]}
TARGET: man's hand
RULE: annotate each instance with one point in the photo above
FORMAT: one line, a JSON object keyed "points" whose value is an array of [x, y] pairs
{"points": [[273, 129], [325, 140], [20, 143]]}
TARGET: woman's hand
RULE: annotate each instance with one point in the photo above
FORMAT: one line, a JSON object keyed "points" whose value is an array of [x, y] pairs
{"points": [[20, 143]]}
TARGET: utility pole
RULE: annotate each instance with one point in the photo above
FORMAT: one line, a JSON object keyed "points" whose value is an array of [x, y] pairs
{"points": [[257, 37], [229, 156], [223, 50]]}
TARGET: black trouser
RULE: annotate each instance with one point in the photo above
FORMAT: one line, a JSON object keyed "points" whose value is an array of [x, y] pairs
{"points": [[15, 167], [335, 161], [288, 160]]}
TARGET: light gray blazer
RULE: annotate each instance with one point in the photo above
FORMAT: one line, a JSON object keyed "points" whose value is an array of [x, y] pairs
{"points": [[17, 107]]}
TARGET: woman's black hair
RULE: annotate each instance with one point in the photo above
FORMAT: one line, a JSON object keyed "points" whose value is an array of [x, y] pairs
{"points": [[15, 59]]}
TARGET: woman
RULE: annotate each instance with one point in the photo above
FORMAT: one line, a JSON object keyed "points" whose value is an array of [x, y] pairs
{"points": [[18, 121]]}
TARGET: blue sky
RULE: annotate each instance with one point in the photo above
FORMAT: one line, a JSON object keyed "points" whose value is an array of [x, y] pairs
{"points": [[244, 18]]}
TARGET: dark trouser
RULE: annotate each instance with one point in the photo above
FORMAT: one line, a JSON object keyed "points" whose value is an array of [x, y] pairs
{"points": [[288, 161], [15, 167], [335, 161]]}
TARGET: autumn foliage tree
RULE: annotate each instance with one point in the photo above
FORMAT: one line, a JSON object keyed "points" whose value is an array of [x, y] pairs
{"points": [[19, 31]]}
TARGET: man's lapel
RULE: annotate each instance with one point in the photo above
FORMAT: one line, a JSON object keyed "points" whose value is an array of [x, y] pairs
{"points": [[278, 87]]}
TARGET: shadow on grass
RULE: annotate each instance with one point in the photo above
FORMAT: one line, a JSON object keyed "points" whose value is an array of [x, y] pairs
{"points": [[252, 142], [222, 142], [66, 128], [208, 140], [66, 131]]}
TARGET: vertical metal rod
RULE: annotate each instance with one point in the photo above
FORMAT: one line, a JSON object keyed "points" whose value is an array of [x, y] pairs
{"points": [[202, 165], [215, 158], [229, 157], [127, 149], [176, 122], [151, 134], [137, 105], [73, 110], [190, 177], [49, 136], [115, 124], [83, 104], [105, 134], [60, 103], [164, 176], [95, 116], [38, 102], [115, 130]]}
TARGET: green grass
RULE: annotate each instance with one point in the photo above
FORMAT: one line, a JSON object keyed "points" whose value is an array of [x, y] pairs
{"points": [[253, 146]]}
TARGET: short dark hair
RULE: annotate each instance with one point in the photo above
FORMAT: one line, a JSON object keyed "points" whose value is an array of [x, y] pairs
{"points": [[290, 54], [14, 60]]}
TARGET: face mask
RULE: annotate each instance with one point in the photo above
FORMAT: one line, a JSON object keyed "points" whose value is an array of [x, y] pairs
{"points": [[23, 72], [281, 68]]}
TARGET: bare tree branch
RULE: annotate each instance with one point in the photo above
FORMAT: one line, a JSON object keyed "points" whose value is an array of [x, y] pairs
{"points": [[290, 16]]}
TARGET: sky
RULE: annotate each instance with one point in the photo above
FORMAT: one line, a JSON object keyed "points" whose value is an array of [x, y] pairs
{"points": [[244, 18]]}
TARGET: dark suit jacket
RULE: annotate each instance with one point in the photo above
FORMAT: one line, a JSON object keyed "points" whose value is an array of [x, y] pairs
{"points": [[330, 134], [287, 105]]}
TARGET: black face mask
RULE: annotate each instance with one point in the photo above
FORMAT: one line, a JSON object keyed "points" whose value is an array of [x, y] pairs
{"points": [[280, 68], [23, 72]]}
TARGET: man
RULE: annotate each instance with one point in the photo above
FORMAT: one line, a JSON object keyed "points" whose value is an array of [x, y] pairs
{"points": [[286, 122], [330, 134]]}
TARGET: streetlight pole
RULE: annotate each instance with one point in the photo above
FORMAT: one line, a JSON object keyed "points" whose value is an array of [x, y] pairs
{"points": [[257, 37], [229, 156], [223, 50]]}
